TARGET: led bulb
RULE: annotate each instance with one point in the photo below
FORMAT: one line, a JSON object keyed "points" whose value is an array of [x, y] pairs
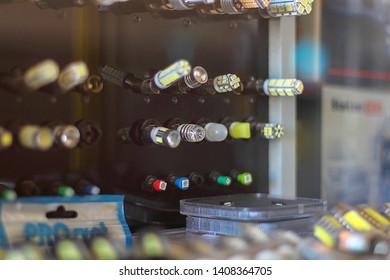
{"points": [[6, 138], [180, 5], [41, 74], [254, 4], [107, 2], [159, 185], [215, 132], [196, 78], [373, 217], [245, 178], [35, 137], [84, 187], [271, 131], [280, 8], [283, 87], [224, 180], [240, 130], [164, 78], [67, 250], [333, 234], [226, 83], [165, 136], [191, 132], [72, 75], [182, 183], [220, 179], [8, 194], [65, 191], [91, 189], [67, 136], [232, 7], [102, 249]]}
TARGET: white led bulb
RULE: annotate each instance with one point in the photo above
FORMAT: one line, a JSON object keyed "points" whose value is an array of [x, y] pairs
{"points": [[165, 137], [73, 75], [281, 8], [226, 83], [164, 78], [283, 87], [41, 74], [215, 132]]}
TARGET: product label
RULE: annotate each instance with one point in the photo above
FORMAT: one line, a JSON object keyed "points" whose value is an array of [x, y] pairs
{"points": [[45, 220]]}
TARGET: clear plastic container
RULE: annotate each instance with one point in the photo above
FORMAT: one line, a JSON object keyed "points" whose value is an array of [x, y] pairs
{"points": [[199, 225], [252, 207]]}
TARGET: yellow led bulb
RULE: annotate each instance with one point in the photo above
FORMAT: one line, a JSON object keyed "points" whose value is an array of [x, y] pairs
{"points": [[239, 130], [72, 75], [41, 74], [35, 137], [6, 138]]}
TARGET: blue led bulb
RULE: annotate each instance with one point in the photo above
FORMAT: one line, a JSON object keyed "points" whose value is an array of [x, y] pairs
{"points": [[91, 189], [182, 183]]}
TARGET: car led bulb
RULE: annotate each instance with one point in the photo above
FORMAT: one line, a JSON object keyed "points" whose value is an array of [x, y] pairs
{"points": [[36, 137], [215, 132], [334, 235], [41, 74], [120, 78], [373, 217], [6, 138], [7, 193], [244, 178], [72, 75], [191, 132], [253, 4], [280, 8], [220, 179], [232, 7], [196, 78], [153, 183], [84, 187], [283, 87], [174, 72], [226, 83], [269, 130], [66, 136], [348, 216], [165, 136], [240, 130], [182, 183]]}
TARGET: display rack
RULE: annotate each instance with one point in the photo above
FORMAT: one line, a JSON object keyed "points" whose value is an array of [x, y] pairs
{"points": [[247, 45]]}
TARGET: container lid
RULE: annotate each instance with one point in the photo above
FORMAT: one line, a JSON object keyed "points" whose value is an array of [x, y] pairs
{"points": [[251, 207]]}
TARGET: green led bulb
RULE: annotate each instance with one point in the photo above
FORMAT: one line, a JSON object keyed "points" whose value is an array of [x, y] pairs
{"points": [[224, 180], [103, 250], [65, 191], [67, 250], [240, 130], [8, 195], [14, 254], [152, 245], [245, 178]]}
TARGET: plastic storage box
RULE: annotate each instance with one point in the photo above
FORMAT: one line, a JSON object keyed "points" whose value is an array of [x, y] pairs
{"points": [[224, 215]]}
